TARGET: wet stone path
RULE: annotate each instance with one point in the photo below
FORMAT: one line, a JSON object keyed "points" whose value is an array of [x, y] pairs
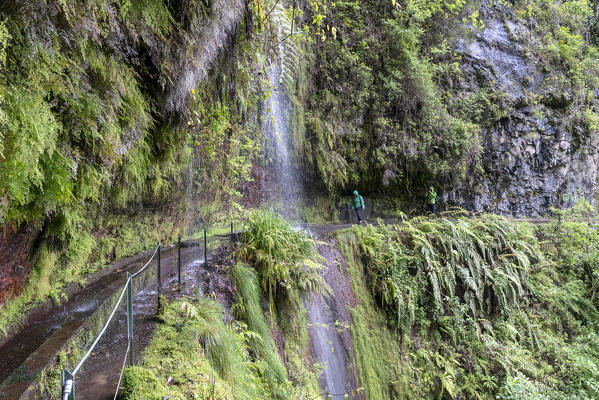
{"points": [[49, 326], [99, 376]]}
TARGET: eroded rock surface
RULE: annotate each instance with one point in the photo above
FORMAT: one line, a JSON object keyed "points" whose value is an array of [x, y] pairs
{"points": [[539, 153]]}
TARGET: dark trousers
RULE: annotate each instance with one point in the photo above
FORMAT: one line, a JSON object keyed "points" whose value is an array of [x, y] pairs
{"points": [[432, 208], [359, 214]]}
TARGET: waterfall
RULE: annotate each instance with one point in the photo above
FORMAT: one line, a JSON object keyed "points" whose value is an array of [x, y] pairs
{"points": [[280, 137], [328, 350], [277, 126], [330, 338], [331, 347]]}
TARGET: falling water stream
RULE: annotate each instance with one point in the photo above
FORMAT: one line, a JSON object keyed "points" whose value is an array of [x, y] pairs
{"points": [[277, 130], [328, 349], [327, 345]]}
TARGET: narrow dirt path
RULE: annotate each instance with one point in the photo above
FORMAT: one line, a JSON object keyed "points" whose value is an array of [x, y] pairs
{"points": [[99, 376]]}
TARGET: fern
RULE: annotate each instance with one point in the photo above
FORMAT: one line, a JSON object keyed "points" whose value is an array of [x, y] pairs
{"points": [[285, 258], [482, 262], [286, 37]]}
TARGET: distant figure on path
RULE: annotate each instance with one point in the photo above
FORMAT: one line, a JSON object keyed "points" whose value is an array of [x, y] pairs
{"points": [[358, 204], [431, 198]]}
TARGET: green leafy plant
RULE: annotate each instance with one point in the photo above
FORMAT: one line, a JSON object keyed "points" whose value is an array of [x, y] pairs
{"points": [[534, 343], [572, 242], [285, 257], [482, 262], [248, 309]]}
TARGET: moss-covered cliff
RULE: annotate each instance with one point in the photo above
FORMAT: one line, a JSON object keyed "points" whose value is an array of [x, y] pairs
{"points": [[126, 122], [494, 102], [113, 116]]}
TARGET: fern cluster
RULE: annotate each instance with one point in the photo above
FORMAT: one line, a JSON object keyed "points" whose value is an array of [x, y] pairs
{"points": [[285, 257], [480, 263], [572, 243], [481, 308]]}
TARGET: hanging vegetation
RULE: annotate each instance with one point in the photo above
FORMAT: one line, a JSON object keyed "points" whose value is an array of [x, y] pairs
{"points": [[481, 263]]}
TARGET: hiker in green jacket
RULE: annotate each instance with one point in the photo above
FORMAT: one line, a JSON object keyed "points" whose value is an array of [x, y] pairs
{"points": [[358, 204], [431, 198]]}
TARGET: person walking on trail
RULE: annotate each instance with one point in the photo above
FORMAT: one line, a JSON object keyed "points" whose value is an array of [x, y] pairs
{"points": [[358, 204], [431, 199]]}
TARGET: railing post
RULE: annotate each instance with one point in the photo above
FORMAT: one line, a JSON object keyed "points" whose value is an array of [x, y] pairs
{"points": [[231, 231], [205, 250], [68, 385], [179, 261], [130, 320], [159, 248]]}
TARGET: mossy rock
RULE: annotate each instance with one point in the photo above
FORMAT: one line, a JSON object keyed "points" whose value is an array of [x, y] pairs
{"points": [[557, 100], [141, 383]]}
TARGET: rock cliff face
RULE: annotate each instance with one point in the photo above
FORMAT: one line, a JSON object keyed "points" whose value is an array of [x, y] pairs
{"points": [[494, 103], [539, 153]]}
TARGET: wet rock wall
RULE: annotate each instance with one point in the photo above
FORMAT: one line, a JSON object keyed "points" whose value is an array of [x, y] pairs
{"points": [[538, 152]]}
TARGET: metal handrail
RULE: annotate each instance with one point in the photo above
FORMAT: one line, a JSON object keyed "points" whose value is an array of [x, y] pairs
{"points": [[68, 378], [102, 331], [148, 263]]}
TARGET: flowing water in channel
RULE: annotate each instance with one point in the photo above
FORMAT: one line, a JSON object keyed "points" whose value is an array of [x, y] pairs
{"points": [[327, 349]]}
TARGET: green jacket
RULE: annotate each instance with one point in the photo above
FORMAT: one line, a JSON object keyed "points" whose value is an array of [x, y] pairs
{"points": [[431, 196], [358, 201]]}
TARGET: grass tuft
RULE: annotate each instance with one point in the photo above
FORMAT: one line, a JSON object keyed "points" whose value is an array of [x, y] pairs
{"points": [[261, 344]]}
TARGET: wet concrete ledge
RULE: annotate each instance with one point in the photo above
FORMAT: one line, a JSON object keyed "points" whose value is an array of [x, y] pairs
{"points": [[67, 345], [73, 288]]}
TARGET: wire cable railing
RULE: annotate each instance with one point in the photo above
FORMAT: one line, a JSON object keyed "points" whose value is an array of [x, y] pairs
{"points": [[91, 348], [68, 377], [148, 263], [118, 385]]}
